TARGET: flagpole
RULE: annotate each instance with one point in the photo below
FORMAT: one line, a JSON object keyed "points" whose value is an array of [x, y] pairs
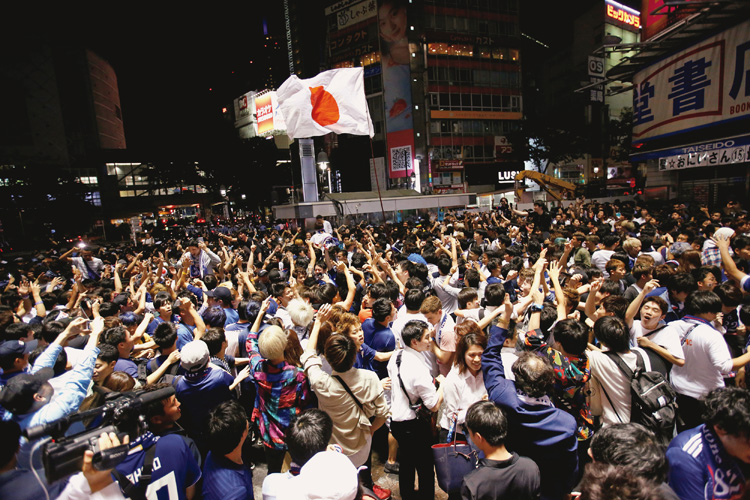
{"points": [[377, 181]]}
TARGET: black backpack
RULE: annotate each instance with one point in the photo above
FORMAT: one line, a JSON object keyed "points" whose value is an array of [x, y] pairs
{"points": [[653, 400]]}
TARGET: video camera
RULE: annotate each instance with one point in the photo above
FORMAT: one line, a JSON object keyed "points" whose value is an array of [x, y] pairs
{"points": [[63, 455]]}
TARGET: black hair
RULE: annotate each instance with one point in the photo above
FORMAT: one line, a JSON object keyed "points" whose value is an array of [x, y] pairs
{"points": [[252, 310], [612, 332], [154, 408], [471, 278], [572, 335], [610, 240], [210, 281], [534, 374], [381, 309], [494, 294], [393, 290], [214, 338], [547, 318], [340, 352], [611, 482], [465, 296], [700, 273], [378, 291], [109, 309], [277, 289], [413, 299], [165, 335], [16, 331], [444, 265], [413, 330], [682, 282], [308, 435], [610, 287], [161, 299], [729, 409], [729, 294], [214, 316], [225, 426], [745, 314], [116, 335], [633, 446], [702, 302], [616, 304], [108, 353], [487, 419]]}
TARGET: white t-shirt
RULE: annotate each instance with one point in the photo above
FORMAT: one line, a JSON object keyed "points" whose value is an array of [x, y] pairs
{"points": [[707, 359], [666, 337], [607, 376]]}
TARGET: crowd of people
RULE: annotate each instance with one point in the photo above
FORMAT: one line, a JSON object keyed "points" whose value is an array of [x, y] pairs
{"points": [[596, 350]]}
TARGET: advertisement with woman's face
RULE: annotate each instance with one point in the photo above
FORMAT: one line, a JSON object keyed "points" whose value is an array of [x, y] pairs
{"points": [[395, 59]]}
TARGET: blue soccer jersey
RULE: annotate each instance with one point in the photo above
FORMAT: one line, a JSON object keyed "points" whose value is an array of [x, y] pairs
{"points": [[226, 480], [174, 469]]}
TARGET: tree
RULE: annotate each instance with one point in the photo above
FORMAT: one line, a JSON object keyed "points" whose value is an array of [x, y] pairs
{"points": [[620, 133], [541, 140]]}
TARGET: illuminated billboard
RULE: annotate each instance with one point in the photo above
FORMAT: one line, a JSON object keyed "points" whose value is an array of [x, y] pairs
{"points": [[704, 84], [622, 15], [268, 118]]}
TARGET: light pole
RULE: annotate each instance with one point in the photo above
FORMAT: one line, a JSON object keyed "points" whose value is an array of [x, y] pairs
{"points": [[323, 163]]}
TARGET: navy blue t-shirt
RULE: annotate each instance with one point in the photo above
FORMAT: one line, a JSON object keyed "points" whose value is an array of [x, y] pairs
{"points": [[226, 480], [127, 366], [198, 395], [381, 339]]}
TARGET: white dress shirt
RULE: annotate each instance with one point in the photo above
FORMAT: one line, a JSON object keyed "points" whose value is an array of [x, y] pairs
{"points": [[417, 381]]}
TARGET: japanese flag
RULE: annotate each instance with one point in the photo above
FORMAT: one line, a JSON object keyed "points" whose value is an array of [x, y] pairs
{"points": [[333, 101]]}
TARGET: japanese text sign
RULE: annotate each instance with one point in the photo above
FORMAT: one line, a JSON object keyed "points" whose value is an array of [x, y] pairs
{"points": [[704, 84]]}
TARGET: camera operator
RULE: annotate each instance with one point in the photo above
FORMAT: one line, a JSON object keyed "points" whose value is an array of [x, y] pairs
{"points": [[23, 485], [171, 458], [29, 395]]}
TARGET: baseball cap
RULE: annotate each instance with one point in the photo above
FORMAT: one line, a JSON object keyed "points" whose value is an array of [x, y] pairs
{"points": [[18, 394], [262, 273], [220, 293], [194, 356], [328, 475], [16, 348]]}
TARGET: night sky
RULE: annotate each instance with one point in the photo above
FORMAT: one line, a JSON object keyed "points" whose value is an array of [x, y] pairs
{"points": [[166, 61]]}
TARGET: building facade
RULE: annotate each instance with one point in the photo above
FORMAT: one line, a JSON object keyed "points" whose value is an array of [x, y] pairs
{"points": [[443, 84], [691, 120]]}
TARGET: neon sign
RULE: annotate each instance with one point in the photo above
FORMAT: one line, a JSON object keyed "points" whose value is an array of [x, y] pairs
{"points": [[624, 14]]}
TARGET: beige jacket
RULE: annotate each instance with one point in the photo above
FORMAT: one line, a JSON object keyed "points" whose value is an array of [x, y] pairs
{"points": [[350, 424]]}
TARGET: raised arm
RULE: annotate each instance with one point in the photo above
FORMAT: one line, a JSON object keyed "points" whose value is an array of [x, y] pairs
{"points": [[554, 277], [729, 266], [590, 308], [635, 306], [320, 317], [349, 300]]}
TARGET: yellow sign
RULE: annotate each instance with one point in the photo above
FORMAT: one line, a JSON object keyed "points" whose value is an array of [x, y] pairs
{"points": [[477, 115]]}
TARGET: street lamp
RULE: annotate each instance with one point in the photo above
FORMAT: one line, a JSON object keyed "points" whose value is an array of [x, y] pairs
{"points": [[324, 165]]}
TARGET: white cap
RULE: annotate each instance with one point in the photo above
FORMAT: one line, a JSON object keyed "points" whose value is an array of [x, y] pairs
{"points": [[328, 475], [194, 356]]}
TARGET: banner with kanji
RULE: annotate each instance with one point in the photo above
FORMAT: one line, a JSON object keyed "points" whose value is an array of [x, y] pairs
{"points": [[702, 85]]}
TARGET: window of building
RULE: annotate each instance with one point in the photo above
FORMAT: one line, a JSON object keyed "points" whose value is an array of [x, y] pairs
{"points": [[95, 198]]}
